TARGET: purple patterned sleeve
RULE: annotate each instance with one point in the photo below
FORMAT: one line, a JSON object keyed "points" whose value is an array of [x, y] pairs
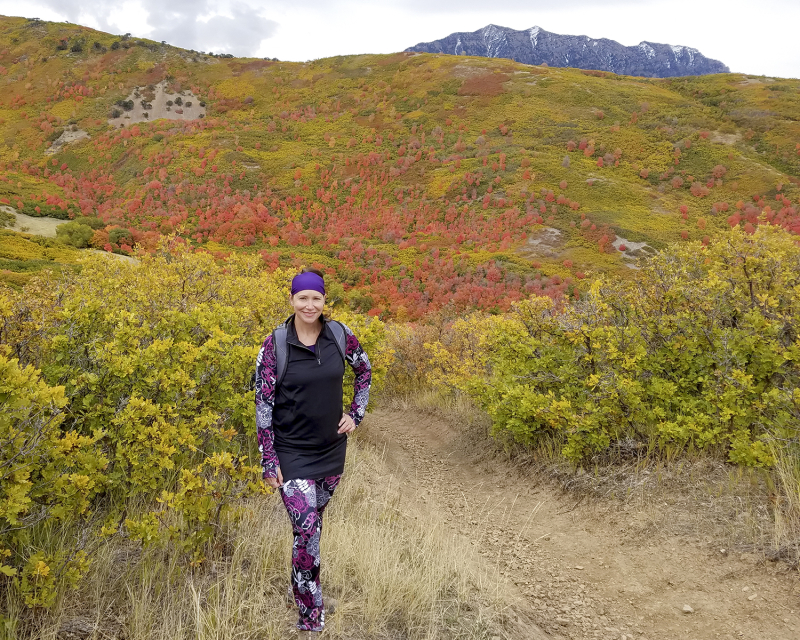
{"points": [[265, 401], [357, 358]]}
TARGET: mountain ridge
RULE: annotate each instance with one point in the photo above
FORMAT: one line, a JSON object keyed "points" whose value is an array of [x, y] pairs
{"points": [[537, 46]]}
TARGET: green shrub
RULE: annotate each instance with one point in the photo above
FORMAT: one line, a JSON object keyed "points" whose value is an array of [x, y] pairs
{"points": [[46, 470], [135, 416], [700, 351], [90, 221], [6, 219], [118, 235], [75, 234]]}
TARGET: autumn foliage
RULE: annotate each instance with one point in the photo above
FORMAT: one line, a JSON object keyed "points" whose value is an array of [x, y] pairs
{"points": [[695, 353], [126, 407], [419, 182]]}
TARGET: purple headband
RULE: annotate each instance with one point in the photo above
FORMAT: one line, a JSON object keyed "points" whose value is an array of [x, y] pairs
{"points": [[308, 281]]}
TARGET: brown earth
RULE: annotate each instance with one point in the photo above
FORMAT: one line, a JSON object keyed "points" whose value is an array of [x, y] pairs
{"points": [[583, 568]]}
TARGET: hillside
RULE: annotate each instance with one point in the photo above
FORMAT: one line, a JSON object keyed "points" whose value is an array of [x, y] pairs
{"points": [[421, 181], [537, 46]]}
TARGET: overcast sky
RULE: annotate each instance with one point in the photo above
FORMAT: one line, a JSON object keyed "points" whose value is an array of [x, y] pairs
{"points": [[751, 37]]}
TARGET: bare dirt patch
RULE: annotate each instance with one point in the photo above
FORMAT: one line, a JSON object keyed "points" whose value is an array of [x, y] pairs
{"points": [[548, 242], [153, 102], [68, 137], [114, 256], [725, 138], [633, 251], [37, 226], [589, 568]]}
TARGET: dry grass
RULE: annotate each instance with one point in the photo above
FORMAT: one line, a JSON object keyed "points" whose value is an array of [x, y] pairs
{"points": [[786, 536], [455, 408], [397, 574]]}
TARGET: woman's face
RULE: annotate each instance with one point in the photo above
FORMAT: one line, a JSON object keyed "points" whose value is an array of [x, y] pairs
{"points": [[307, 305]]}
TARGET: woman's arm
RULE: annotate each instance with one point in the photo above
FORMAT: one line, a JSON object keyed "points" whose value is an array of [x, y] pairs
{"points": [[265, 400], [357, 358]]}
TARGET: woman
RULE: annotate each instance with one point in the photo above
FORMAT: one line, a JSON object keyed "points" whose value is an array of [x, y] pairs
{"points": [[302, 430]]}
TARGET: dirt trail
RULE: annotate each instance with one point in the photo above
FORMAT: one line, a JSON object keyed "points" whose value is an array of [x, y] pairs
{"points": [[582, 573]]}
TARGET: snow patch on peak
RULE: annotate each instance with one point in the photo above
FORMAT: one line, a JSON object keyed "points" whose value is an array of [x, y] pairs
{"points": [[534, 34], [494, 39], [690, 53], [647, 49]]}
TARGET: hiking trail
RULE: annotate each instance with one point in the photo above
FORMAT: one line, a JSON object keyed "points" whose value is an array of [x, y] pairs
{"points": [[584, 570]]}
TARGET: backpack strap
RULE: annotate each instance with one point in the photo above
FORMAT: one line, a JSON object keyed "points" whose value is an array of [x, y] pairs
{"points": [[281, 359], [339, 336], [281, 350]]}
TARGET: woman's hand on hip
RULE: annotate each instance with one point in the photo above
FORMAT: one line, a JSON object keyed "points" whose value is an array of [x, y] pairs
{"points": [[346, 424], [275, 483]]}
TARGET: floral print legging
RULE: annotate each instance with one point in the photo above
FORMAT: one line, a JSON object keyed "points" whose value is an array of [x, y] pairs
{"points": [[305, 502]]}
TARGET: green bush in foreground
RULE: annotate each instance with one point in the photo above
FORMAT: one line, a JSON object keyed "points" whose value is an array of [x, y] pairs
{"points": [[701, 350], [131, 412]]}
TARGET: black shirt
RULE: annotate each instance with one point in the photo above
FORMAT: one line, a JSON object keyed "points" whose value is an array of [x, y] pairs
{"points": [[308, 407]]}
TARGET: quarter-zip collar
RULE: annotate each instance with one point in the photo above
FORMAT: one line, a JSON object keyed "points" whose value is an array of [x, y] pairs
{"points": [[291, 338]]}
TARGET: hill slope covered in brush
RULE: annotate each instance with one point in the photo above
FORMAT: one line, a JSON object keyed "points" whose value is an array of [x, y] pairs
{"points": [[421, 181]]}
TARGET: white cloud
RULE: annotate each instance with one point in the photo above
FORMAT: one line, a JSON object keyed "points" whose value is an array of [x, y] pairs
{"points": [[232, 26], [236, 27]]}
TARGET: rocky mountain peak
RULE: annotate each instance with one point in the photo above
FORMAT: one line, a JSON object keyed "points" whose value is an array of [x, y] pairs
{"points": [[537, 46]]}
